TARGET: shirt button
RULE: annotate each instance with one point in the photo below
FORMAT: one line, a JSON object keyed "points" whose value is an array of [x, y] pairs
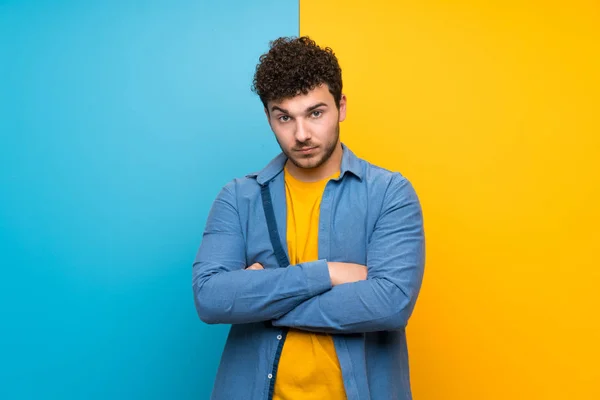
{"points": [[279, 337], [270, 376]]}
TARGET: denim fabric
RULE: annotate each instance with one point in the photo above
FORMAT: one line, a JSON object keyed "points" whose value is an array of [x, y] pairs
{"points": [[369, 216]]}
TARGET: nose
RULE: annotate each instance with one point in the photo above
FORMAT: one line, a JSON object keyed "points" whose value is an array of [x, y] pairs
{"points": [[302, 132]]}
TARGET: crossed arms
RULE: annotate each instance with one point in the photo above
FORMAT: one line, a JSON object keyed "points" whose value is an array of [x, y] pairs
{"points": [[318, 296]]}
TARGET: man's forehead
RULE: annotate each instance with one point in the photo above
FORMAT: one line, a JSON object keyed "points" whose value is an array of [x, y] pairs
{"points": [[302, 101]]}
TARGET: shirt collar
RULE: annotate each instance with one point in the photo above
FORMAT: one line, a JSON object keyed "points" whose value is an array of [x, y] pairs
{"points": [[350, 163]]}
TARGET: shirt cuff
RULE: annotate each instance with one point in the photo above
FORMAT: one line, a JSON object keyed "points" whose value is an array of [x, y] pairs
{"points": [[317, 276]]}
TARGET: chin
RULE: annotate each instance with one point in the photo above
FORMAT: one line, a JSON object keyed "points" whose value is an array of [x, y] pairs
{"points": [[313, 163], [305, 163]]}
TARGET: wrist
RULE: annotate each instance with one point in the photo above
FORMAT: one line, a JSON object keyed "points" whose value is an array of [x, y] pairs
{"points": [[333, 268]]}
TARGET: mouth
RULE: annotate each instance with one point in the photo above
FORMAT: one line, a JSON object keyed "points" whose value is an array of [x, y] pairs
{"points": [[306, 150]]}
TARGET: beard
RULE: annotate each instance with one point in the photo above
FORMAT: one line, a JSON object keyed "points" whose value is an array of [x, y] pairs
{"points": [[312, 161]]}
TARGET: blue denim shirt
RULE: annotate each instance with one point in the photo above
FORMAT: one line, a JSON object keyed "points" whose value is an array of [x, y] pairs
{"points": [[368, 216]]}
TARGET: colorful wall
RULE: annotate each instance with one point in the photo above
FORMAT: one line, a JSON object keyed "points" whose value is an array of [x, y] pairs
{"points": [[120, 121], [492, 109]]}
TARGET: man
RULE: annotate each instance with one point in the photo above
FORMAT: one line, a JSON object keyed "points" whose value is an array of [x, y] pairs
{"points": [[316, 260]]}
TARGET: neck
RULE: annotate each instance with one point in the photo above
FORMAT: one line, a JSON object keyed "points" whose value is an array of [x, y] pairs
{"points": [[330, 167]]}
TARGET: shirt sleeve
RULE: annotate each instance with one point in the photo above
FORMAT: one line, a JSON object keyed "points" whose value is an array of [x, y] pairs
{"points": [[395, 263], [225, 292]]}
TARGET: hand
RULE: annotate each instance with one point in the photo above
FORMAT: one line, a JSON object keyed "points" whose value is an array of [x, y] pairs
{"points": [[341, 272], [255, 267]]}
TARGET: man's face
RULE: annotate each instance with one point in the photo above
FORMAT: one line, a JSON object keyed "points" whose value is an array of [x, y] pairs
{"points": [[307, 126]]}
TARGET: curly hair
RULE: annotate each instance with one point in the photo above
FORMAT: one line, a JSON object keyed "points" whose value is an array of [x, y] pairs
{"points": [[293, 66]]}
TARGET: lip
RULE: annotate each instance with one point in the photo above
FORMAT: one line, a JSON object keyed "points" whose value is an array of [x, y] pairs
{"points": [[306, 150]]}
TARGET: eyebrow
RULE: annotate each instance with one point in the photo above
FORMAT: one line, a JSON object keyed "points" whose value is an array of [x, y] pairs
{"points": [[309, 109], [275, 108]]}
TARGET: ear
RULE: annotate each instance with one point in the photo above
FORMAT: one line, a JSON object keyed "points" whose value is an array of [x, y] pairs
{"points": [[342, 110]]}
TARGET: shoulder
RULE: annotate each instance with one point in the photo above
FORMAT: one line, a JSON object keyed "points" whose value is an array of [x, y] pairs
{"points": [[248, 186], [391, 186], [240, 187], [380, 176]]}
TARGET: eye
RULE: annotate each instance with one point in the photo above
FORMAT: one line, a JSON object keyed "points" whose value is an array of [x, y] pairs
{"points": [[283, 118], [316, 113]]}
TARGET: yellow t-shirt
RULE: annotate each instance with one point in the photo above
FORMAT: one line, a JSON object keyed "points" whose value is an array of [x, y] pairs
{"points": [[308, 367]]}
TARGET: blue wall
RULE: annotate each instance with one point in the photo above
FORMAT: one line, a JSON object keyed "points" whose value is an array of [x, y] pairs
{"points": [[119, 123]]}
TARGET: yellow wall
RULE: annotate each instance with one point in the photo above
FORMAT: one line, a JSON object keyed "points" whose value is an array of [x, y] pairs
{"points": [[492, 110]]}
